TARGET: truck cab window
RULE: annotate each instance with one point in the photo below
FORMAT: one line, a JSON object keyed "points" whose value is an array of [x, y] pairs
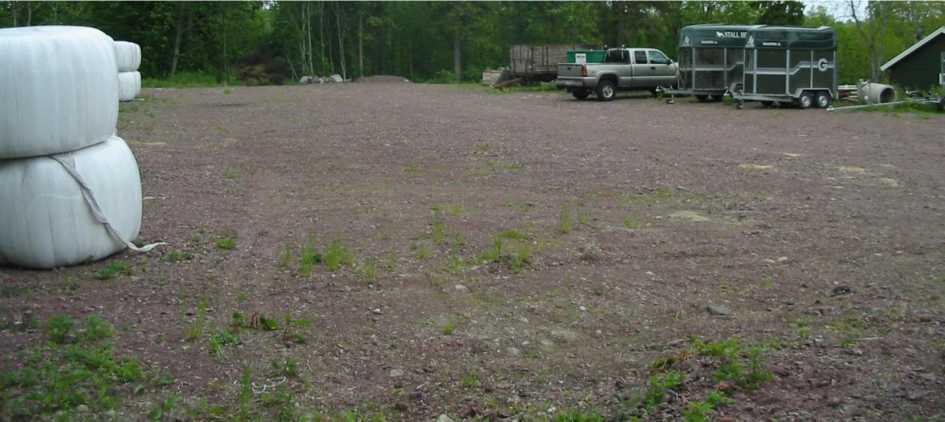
{"points": [[657, 58], [639, 57]]}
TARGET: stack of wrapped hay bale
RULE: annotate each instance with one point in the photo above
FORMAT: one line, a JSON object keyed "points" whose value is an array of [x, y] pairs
{"points": [[128, 59], [70, 191]]}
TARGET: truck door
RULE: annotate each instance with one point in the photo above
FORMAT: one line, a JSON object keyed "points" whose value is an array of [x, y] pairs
{"points": [[663, 73], [642, 74], [624, 73]]}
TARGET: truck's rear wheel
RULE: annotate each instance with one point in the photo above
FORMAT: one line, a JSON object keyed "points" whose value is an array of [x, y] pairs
{"points": [[581, 93], [606, 90]]}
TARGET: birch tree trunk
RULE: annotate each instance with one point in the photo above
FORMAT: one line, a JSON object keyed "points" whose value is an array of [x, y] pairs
{"points": [[341, 44]]}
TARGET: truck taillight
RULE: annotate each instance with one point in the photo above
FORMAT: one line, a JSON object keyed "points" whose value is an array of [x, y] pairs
{"points": [[584, 71]]}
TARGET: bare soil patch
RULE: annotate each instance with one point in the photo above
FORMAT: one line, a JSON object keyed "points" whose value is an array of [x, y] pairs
{"points": [[516, 255]]}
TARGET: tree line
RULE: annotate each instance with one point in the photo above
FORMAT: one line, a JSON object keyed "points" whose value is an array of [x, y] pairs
{"points": [[445, 41]]}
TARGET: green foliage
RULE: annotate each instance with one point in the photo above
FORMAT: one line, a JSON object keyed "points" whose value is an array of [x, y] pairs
{"points": [[308, 259], [448, 328], [287, 367], [226, 243], [196, 328], [177, 255], [222, 339], [733, 360], [67, 372], [660, 384], [113, 269], [337, 255], [578, 416]]}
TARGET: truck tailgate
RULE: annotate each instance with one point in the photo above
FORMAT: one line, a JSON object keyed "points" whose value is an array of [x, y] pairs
{"points": [[569, 70]]}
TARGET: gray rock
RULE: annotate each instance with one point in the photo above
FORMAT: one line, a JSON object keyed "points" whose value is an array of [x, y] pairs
{"points": [[396, 373], [305, 80], [564, 335], [720, 310], [335, 78], [444, 418]]}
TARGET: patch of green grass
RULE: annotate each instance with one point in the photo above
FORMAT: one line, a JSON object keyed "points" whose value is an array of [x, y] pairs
{"points": [[226, 243], [422, 250], [196, 328], [231, 173], [455, 264], [438, 232], [7, 291], [245, 398], [286, 257], [113, 269], [58, 329], [413, 170], [658, 195], [308, 258], [292, 330], [509, 248], [287, 367], [69, 371], [470, 381], [448, 328], [367, 269], [632, 223], [565, 221], [578, 416], [660, 384], [222, 339], [743, 368], [512, 235], [177, 255], [452, 210], [164, 409], [337, 255]]}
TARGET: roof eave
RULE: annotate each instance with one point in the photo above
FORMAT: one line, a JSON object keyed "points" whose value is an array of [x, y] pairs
{"points": [[912, 49]]}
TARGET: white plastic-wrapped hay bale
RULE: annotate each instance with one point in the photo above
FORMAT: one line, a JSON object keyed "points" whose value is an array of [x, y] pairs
{"points": [[58, 90], [46, 216], [129, 85], [127, 56]]}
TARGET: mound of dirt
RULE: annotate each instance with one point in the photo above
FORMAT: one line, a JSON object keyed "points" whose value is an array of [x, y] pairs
{"points": [[383, 79]]}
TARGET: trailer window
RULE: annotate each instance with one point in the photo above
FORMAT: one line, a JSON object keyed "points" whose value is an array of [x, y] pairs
{"points": [[657, 58], [639, 57]]}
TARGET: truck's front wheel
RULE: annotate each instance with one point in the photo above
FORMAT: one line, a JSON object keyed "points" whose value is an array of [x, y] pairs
{"points": [[581, 93], [606, 90]]}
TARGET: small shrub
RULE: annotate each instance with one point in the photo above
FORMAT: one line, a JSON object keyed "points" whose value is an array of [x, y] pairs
{"points": [[422, 250], [113, 269], [470, 381]]}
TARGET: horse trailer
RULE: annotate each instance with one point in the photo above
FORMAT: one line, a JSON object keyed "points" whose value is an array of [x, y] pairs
{"points": [[789, 65], [711, 60]]}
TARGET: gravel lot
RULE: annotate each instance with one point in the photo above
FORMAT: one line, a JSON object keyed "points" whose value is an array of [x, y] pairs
{"points": [[626, 228]]}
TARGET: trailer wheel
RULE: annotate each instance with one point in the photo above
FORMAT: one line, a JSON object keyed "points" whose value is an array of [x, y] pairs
{"points": [[581, 94], [805, 100], [606, 90], [823, 99]]}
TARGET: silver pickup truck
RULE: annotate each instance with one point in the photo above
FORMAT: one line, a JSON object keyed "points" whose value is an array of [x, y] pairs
{"points": [[622, 69]]}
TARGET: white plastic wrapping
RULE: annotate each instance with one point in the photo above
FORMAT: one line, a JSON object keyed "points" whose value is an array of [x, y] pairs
{"points": [[127, 56], [45, 220], [129, 85], [58, 90]]}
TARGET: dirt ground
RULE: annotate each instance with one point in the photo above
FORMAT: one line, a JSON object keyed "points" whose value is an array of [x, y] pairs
{"points": [[626, 230]]}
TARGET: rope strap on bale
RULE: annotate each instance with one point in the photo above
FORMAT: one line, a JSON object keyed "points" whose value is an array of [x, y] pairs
{"points": [[68, 163]]}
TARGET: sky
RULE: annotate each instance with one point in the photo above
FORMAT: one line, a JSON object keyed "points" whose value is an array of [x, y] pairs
{"points": [[839, 9]]}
